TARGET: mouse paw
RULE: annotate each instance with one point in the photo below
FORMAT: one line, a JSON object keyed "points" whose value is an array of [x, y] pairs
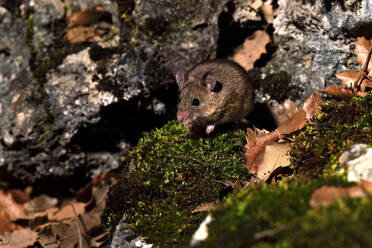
{"points": [[210, 129]]}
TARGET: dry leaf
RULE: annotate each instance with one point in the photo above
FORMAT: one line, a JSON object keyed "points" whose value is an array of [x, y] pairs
{"points": [[20, 238], [275, 156], [267, 10], [255, 148], [348, 77], [285, 111], [338, 92], [9, 207], [253, 47], [40, 203], [297, 121], [206, 207], [88, 17], [362, 48], [311, 105], [82, 34], [68, 213], [328, 194]]}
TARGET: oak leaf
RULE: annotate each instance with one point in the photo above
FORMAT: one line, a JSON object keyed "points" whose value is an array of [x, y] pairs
{"points": [[254, 46], [328, 194]]}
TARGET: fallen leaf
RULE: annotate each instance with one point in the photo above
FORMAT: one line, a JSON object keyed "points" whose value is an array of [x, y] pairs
{"points": [[68, 213], [82, 34], [9, 207], [206, 207], [296, 122], [362, 48], [267, 10], [285, 111], [20, 238], [328, 194], [338, 92], [40, 203], [254, 46], [262, 160], [311, 105], [88, 17], [348, 78], [255, 149], [275, 156]]}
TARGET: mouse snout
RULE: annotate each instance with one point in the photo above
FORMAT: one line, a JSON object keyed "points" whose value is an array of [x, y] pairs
{"points": [[183, 116]]}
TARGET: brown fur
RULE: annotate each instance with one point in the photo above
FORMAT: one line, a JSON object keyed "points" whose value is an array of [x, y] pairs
{"points": [[231, 102]]}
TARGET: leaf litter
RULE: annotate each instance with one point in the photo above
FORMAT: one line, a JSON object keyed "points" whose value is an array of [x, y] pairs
{"points": [[52, 222]]}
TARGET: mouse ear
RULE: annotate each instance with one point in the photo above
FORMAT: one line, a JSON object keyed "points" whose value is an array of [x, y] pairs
{"points": [[180, 78], [210, 82]]}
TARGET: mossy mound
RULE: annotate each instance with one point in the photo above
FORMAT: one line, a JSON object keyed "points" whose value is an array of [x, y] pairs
{"points": [[281, 216], [172, 175], [339, 125]]}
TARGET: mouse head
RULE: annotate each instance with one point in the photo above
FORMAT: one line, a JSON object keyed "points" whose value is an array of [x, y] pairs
{"points": [[197, 100]]}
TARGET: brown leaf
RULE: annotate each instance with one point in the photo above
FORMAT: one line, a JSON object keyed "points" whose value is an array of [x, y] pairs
{"points": [[6, 223], [67, 211], [275, 156], [338, 92], [297, 121], [348, 78], [88, 17], [364, 85], [255, 148], [206, 207], [9, 207], [311, 105], [20, 238], [362, 47], [82, 34], [267, 10], [40, 203], [254, 46], [328, 194], [284, 112]]}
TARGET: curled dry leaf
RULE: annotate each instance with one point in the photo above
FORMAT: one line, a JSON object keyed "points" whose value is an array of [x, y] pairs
{"points": [[254, 46], [20, 238], [328, 194], [262, 159]]}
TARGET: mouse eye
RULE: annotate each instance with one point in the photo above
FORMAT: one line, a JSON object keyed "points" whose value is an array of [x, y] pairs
{"points": [[195, 102]]}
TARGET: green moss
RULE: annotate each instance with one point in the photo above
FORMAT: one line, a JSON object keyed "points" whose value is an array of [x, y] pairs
{"points": [[172, 175], [284, 209], [336, 128]]}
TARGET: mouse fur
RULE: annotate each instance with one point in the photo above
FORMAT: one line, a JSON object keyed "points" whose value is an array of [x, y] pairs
{"points": [[214, 92]]}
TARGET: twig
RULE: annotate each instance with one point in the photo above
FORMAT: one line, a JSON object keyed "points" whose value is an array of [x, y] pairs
{"points": [[270, 232], [363, 72]]}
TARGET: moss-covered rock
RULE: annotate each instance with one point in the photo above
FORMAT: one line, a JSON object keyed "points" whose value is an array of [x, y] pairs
{"points": [[172, 175], [336, 128], [281, 216]]}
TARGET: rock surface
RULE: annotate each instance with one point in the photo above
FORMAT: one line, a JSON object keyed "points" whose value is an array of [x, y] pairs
{"points": [[71, 111], [315, 40]]}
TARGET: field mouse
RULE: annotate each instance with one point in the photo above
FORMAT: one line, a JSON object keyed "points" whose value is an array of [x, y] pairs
{"points": [[214, 92]]}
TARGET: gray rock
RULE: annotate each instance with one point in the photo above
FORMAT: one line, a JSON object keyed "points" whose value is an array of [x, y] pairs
{"points": [[124, 237], [315, 40]]}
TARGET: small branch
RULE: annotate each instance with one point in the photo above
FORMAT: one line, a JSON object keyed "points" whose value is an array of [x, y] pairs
{"points": [[270, 232]]}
